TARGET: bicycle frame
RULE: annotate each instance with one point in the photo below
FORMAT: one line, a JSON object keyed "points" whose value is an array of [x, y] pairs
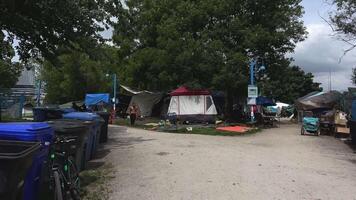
{"points": [[61, 162]]}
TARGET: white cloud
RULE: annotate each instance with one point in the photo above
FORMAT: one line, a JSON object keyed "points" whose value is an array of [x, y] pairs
{"points": [[320, 53]]}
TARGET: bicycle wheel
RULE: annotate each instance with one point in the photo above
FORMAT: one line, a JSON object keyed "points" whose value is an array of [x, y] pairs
{"points": [[57, 186], [73, 175]]}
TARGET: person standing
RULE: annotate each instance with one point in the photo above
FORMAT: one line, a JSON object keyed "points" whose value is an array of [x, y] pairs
{"points": [[134, 112]]}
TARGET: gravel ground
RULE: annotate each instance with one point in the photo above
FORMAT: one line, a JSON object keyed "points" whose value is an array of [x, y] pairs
{"points": [[276, 163]]}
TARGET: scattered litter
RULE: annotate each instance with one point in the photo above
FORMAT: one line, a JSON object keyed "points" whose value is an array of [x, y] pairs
{"points": [[152, 124], [189, 129], [219, 122], [239, 129]]}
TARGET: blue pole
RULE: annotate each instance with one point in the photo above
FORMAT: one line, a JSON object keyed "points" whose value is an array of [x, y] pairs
{"points": [[252, 71], [252, 82], [114, 82]]}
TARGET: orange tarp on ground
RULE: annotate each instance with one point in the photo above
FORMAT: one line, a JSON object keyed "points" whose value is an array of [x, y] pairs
{"points": [[239, 129]]}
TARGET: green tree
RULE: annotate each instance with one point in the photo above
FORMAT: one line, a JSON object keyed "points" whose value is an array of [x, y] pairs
{"points": [[41, 26], [79, 74], [286, 82], [9, 71], [203, 43]]}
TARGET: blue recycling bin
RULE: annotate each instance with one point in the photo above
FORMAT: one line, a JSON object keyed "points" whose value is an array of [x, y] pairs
{"points": [[79, 129], [94, 127], [16, 160], [41, 114], [31, 132]]}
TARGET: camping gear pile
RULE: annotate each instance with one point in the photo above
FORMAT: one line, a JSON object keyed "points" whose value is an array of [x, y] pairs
{"points": [[325, 108]]}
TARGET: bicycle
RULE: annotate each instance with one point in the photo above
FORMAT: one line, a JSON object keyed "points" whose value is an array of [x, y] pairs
{"points": [[64, 176]]}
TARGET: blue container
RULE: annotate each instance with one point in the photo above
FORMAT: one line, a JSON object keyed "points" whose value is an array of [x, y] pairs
{"points": [[31, 132], [353, 110], [95, 129]]}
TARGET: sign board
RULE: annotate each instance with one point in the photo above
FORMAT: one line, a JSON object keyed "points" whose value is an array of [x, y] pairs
{"points": [[252, 91], [251, 101]]}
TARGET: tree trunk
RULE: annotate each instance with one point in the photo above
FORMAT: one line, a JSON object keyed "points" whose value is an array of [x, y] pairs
{"points": [[228, 104]]}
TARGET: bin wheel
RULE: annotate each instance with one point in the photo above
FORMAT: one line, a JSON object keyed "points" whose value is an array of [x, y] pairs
{"points": [[58, 186], [302, 131]]}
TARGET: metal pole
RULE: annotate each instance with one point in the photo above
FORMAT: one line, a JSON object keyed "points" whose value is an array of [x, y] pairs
{"points": [[114, 82], [39, 92], [252, 82], [252, 71]]}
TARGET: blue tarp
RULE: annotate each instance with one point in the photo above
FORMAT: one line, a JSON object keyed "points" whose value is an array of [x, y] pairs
{"points": [[264, 101], [94, 99], [310, 120]]}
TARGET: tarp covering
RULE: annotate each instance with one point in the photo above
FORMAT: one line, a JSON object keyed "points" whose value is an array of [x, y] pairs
{"points": [[311, 120], [134, 92], [238, 129], [264, 101], [319, 100], [94, 99], [145, 102], [185, 91]]}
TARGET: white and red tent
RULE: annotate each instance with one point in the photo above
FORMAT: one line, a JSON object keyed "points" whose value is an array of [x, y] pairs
{"points": [[192, 105]]}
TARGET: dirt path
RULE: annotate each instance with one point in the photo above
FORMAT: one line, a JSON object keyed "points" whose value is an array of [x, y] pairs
{"points": [[274, 164]]}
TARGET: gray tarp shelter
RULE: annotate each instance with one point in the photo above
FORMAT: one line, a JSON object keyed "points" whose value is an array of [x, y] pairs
{"points": [[319, 100], [145, 100]]}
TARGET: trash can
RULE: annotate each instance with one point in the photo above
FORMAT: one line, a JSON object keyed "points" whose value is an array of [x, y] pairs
{"points": [[16, 160], [41, 114], [31, 132], [94, 127], [77, 128], [104, 126]]}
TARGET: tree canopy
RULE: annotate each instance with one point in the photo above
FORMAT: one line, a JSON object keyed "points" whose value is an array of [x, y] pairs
{"points": [[78, 74], [205, 43], [9, 71], [42, 26]]}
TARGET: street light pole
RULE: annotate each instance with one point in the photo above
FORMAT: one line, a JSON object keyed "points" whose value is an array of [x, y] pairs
{"points": [[114, 92], [252, 83], [252, 71]]}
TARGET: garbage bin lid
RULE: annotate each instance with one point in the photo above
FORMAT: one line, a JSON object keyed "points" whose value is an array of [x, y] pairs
{"points": [[25, 131], [82, 116], [67, 126]]}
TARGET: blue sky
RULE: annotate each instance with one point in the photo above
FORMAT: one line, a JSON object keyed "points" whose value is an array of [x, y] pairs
{"points": [[320, 53]]}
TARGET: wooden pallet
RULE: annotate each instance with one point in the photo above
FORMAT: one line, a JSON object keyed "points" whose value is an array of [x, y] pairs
{"points": [[342, 129]]}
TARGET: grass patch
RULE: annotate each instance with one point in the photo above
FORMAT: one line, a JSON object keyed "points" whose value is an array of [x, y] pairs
{"points": [[95, 183], [196, 130], [213, 132], [138, 124]]}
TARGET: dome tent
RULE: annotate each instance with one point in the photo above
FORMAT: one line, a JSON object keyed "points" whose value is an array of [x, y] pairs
{"points": [[192, 105]]}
